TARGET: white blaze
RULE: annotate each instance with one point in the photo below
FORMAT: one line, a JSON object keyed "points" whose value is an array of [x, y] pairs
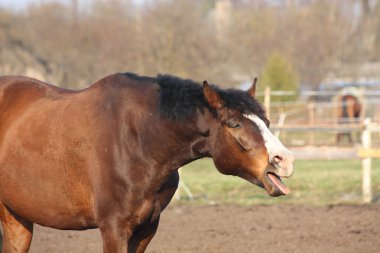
{"points": [[272, 144]]}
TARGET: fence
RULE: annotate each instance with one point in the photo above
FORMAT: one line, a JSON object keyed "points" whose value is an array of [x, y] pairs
{"points": [[319, 115], [365, 151]]}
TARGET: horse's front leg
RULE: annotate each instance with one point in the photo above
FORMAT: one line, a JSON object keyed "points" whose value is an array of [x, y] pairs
{"points": [[115, 239], [129, 222], [119, 221], [144, 234], [115, 235], [118, 226], [142, 237]]}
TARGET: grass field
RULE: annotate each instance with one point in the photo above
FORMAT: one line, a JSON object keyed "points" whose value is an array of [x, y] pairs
{"points": [[314, 182]]}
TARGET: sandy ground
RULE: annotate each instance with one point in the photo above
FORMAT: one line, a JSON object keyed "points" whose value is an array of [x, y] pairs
{"points": [[222, 229]]}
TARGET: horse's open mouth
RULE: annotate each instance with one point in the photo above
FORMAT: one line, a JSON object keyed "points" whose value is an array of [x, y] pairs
{"points": [[278, 187]]}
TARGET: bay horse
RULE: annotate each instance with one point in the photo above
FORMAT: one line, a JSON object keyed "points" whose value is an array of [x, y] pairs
{"points": [[349, 109], [107, 156]]}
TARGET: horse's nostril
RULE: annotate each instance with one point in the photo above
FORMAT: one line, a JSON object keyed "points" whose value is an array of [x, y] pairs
{"points": [[277, 159]]}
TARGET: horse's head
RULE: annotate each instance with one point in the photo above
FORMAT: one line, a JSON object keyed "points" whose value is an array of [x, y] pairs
{"points": [[242, 145]]}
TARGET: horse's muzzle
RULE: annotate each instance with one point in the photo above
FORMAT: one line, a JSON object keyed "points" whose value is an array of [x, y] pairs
{"points": [[282, 163]]}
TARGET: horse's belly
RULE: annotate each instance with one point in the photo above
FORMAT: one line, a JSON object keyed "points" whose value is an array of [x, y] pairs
{"points": [[58, 213], [52, 198]]}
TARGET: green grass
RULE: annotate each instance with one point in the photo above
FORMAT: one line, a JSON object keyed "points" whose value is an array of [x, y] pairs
{"points": [[314, 182]]}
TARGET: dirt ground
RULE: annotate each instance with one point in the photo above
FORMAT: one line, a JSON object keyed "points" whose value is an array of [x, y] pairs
{"points": [[222, 229]]}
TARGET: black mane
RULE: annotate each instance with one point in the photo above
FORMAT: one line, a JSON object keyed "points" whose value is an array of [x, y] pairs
{"points": [[179, 98]]}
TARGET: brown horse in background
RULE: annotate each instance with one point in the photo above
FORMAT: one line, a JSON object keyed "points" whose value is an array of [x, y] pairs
{"points": [[349, 111], [107, 156]]}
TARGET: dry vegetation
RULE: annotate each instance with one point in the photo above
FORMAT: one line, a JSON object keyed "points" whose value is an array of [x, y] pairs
{"points": [[224, 41]]}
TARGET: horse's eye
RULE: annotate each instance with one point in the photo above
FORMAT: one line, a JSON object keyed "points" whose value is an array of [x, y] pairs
{"points": [[234, 124]]}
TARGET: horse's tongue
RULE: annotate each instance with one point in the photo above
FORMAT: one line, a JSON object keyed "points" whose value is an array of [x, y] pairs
{"points": [[285, 190]]}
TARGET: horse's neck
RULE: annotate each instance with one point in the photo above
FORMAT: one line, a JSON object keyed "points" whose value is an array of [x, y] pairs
{"points": [[203, 123], [191, 139]]}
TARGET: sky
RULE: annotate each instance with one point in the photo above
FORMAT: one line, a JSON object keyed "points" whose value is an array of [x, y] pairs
{"points": [[21, 4]]}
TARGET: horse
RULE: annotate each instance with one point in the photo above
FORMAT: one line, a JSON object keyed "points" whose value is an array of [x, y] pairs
{"points": [[349, 110], [107, 156]]}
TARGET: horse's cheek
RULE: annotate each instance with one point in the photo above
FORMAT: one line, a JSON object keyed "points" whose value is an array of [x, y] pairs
{"points": [[225, 153], [245, 143]]}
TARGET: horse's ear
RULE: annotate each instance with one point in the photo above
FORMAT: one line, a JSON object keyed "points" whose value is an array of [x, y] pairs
{"points": [[252, 90], [212, 97]]}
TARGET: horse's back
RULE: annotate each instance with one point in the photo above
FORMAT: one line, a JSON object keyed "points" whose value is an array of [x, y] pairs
{"points": [[22, 97], [23, 84], [19, 92]]}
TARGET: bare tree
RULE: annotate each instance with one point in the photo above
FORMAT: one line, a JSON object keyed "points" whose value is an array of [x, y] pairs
{"points": [[181, 37]]}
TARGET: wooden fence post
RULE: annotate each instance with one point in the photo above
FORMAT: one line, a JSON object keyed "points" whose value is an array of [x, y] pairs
{"points": [[182, 185], [280, 123], [267, 101], [311, 109], [366, 163]]}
